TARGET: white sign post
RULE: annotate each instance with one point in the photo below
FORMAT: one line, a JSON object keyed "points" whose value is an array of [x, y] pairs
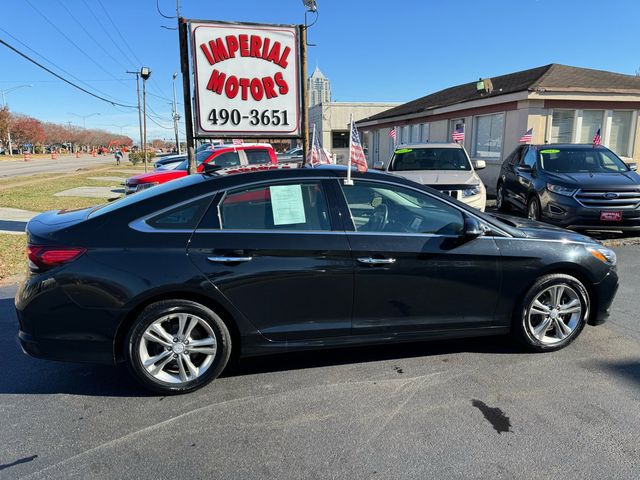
{"points": [[247, 80]]}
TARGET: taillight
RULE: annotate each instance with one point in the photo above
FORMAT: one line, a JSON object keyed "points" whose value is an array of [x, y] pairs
{"points": [[47, 257]]}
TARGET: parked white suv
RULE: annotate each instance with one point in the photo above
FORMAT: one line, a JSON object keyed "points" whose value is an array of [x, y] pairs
{"points": [[443, 166]]}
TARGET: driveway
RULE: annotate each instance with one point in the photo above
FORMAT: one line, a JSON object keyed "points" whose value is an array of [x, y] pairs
{"points": [[477, 408]]}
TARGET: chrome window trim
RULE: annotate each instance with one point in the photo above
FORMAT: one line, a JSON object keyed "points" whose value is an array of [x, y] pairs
{"points": [[481, 220], [141, 225]]}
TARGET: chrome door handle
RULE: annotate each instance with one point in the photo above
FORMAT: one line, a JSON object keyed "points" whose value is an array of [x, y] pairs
{"points": [[229, 259], [376, 261]]}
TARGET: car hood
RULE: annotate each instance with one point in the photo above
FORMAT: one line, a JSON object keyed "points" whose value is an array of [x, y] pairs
{"points": [[596, 180], [542, 231], [156, 176], [440, 177]]}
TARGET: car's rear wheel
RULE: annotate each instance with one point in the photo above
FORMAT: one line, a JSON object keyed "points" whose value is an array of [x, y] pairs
{"points": [[177, 346], [553, 313], [533, 209], [501, 204]]}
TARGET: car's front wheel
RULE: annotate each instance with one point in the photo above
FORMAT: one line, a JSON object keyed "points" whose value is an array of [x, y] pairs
{"points": [[501, 203], [533, 209], [177, 346], [553, 313]]}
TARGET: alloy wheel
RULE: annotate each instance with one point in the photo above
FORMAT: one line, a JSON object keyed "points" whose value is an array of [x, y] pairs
{"points": [[554, 314], [177, 348]]}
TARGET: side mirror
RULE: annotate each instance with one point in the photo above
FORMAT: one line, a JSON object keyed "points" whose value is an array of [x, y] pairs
{"points": [[378, 165], [472, 228], [633, 166], [479, 164]]}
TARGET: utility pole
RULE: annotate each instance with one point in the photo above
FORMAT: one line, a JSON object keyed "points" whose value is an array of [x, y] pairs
{"points": [[145, 73], [176, 117], [137, 74]]}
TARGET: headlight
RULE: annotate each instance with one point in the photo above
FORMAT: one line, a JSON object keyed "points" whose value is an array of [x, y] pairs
{"points": [[604, 254], [560, 190], [144, 186], [471, 191]]}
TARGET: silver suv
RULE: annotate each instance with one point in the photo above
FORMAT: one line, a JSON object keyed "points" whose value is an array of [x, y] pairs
{"points": [[443, 166]]}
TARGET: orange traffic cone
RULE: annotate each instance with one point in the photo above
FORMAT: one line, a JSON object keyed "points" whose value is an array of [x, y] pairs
{"points": [[27, 157], [54, 155], [77, 154], [93, 153]]}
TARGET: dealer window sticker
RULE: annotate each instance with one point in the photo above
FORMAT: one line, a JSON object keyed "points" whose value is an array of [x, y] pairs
{"points": [[287, 204]]}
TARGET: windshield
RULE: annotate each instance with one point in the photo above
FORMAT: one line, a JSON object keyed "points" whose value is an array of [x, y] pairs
{"points": [[429, 159], [292, 151], [200, 157], [581, 160]]}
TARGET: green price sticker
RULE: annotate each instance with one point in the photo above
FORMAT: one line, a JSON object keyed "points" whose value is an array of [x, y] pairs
{"points": [[404, 150], [550, 150]]}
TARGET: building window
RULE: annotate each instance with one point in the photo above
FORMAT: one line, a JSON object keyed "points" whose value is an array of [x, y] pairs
{"points": [[591, 122], [415, 133], [424, 135], [339, 139], [487, 136], [562, 126], [620, 133]]}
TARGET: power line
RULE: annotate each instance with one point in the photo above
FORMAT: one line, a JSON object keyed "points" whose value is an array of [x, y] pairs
{"points": [[69, 39], [160, 11], [54, 64], [91, 36], [64, 79], [106, 31]]}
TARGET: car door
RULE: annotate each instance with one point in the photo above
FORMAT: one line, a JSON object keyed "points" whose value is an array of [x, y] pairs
{"points": [[413, 270], [509, 174], [279, 255]]}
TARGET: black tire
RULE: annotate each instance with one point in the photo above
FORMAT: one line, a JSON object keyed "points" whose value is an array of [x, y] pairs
{"points": [[533, 209], [165, 308], [521, 326], [501, 204]]}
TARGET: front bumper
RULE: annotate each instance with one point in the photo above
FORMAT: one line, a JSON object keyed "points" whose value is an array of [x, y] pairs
{"points": [[604, 292], [566, 212]]}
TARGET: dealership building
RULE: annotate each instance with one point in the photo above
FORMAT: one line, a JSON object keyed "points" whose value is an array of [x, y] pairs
{"points": [[561, 103]]}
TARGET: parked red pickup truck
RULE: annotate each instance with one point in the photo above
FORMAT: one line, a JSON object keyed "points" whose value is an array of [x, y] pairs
{"points": [[230, 159]]}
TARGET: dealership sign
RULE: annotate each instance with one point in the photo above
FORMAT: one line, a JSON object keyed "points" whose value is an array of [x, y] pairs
{"points": [[247, 79]]}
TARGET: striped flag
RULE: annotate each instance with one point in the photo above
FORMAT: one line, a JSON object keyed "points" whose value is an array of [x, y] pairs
{"points": [[527, 136], [318, 155], [458, 134], [392, 133], [356, 152], [596, 138]]}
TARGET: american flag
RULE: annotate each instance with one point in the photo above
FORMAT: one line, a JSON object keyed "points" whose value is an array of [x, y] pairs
{"points": [[527, 136], [596, 138], [392, 133], [458, 134], [356, 153], [237, 141], [318, 155]]}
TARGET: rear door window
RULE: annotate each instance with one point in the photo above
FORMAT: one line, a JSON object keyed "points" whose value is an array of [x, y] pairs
{"points": [[282, 206], [227, 159], [183, 217], [257, 156]]}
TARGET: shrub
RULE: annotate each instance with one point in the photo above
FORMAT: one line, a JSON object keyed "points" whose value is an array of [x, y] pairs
{"points": [[138, 157]]}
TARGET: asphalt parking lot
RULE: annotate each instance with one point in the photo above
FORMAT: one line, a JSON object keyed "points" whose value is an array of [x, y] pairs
{"points": [[458, 409]]}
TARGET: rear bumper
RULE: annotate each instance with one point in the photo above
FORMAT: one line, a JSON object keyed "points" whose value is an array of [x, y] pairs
{"points": [[64, 350]]}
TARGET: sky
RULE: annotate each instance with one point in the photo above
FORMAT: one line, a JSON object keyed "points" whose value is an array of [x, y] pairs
{"points": [[372, 51]]}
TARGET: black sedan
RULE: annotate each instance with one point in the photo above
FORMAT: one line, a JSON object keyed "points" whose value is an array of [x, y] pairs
{"points": [[174, 279], [581, 187]]}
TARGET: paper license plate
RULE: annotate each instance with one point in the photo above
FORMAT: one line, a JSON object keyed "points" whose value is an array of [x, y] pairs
{"points": [[609, 216]]}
